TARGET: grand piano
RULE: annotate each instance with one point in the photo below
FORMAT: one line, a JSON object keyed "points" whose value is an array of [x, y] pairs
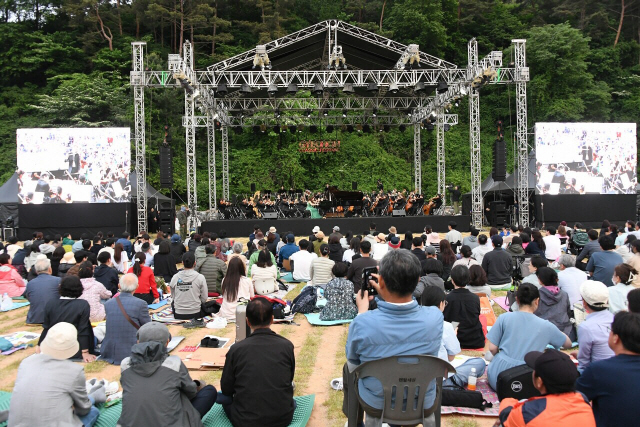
{"points": [[343, 199]]}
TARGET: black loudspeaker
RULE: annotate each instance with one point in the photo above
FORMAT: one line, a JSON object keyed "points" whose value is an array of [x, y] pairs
{"points": [[166, 167], [499, 160], [398, 212], [354, 185], [167, 214], [253, 187], [498, 213], [270, 215]]}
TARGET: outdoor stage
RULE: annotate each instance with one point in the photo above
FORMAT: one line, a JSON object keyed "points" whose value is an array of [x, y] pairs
{"points": [[303, 226]]}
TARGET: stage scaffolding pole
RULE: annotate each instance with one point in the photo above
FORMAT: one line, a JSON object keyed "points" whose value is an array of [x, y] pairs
{"points": [[225, 163], [190, 138], [211, 155], [522, 76], [440, 119], [138, 83], [474, 140], [417, 158]]}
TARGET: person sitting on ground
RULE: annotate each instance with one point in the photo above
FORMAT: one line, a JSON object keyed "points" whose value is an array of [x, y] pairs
{"points": [[589, 249], [339, 294], [288, 249], [593, 332], [262, 245], [354, 249], [122, 312], [56, 259], [508, 344], [482, 249], [478, 281], [511, 233], [71, 309], [537, 246], [432, 238], [380, 248], [472, 240], [46, 247], [498, 265], [237, 253], [463, 307], [176, 400], [301, 262], [189, 291], [554, 376], [563, 235], [354, 274], [147, 286], [126, 244], [97, 245], [235, 287], [625, 250], [431, 276], [264, 273], [177, 247], [454, 237], [121, 259], [613, 384], [40, 291], [320, 269], [201, 252], [447, 257], [435, 297], [570, 278], [213, 269], [601, 265], [535, 263], [318, 242], [12, 246], [554, 303], [86, 250], [30, 260], [417, 248], [467, 257], [105, 273], [398, 319], [194, 242], [622, 284], [633, 301], [335, 248], [93, 292], [164, 264], [553, 246], [50, 390], [145, 248], [259, 391], [11, 282], [407, 242], [526, 239]]}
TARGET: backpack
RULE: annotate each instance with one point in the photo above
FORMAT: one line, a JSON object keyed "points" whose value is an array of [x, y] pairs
{"points": [[306, 301], [580, 238], [280, 307]]}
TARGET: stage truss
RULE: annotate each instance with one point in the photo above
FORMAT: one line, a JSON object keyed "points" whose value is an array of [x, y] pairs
{"points": [[213, 94]]}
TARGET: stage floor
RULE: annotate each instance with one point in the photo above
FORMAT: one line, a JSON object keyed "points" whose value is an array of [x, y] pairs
{"points": [[303, 226]]}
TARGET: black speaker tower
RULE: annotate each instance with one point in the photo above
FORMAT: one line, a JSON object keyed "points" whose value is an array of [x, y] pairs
{"points": [[499, 156]]}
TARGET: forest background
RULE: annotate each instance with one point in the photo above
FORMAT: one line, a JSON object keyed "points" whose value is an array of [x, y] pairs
{"points": [[67, 62]]}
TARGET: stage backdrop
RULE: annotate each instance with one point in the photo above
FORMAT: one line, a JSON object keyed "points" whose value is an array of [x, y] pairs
{"points": [[589, 209]]}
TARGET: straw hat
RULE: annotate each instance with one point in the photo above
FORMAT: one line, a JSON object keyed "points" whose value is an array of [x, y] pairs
{"points": [[68, 258], [381, 238], [393, 230], [319, 235], [433, 238], [61, 341]]}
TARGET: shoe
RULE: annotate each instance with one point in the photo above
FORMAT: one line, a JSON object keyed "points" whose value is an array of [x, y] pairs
{"points": [[336, 383], [195, 323], [90, 384], [111, 387]]}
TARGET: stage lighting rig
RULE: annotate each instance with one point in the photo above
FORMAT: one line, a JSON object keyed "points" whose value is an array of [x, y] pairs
{"points": [[261, 59], [409, 58], [337, 60]]}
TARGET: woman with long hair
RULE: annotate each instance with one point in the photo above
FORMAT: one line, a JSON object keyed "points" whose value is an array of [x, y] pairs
{"points": [[120, 258], [56, 258], [447, 258], [164, 265], [408, 241], [536, 246], [235, 286], [354, 249], [264, 274], [147, 287]]}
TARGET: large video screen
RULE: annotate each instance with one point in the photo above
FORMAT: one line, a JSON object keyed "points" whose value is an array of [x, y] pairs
{"points": [[586, 158], [72, 165]]}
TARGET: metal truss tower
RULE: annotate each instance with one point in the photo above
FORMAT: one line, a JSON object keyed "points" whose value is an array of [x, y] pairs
{"points": [[474, 139], [440, 149], [417, 158], [138, 81], [211, 156], [190, 136], [225, 163], [521, 76]]}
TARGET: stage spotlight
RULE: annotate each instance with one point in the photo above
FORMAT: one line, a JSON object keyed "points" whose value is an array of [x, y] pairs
{"points": [[348, 88], [307, 113], [292, 89], [330, 129], [408, 111], [393, 88], [442, 86], [447, 127], [359, 128], [284, 129], [430, 127], [300, 128], [318, 89], [313, 128], [221, 89], [380, 129], [372, 87], [237, 130], [344, 113], [463, 91], [419, 88], [256, 129], [325, 113], [245, 88], [263, 128], [273, 90], [366, 128], [402, 128], [276, 113], [374, 112], [276, 129], [350, 128]]}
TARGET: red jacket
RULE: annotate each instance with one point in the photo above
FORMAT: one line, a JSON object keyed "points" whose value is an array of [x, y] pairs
{"points": [[146, 282], [566, 409]]}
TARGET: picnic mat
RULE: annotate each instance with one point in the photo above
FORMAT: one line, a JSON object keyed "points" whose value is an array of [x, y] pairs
{"points": [[158, 305], [16, 305], [288, 277], [502, 302], [488, 394], [217, 418], [109, 416], [5, 399], [314, 319]]}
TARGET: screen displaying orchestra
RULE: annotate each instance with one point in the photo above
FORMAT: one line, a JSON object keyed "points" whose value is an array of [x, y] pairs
{"points": [[328, 203], [71, 165]]}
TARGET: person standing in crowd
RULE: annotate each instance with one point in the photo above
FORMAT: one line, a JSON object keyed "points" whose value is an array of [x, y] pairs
{"points": [[554, 376], [182, 216], [122, 314], [259, 391], [354, 274], [601, 265], [498, 265], [570, 278], [176, 399], [40, 291], [463, 307], [454, 236], [612, 385], [455, 199]]}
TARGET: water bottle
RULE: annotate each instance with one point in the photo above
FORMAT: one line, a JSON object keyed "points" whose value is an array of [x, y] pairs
{"points": [[472, 380], [7, 302]]}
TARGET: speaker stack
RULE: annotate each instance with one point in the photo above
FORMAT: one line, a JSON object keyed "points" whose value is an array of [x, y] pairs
{"points": [[499, 156], [167, 213], [498, 213], [166, 167]]}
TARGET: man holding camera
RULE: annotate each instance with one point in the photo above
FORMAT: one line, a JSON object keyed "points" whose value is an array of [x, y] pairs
{"points": [[398, 327]]}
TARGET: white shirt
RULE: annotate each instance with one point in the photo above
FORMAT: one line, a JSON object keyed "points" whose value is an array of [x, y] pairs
{"points": [[453, 236], [553, 245], [347, 256], [569, 280], [302, 265], [480, 251], [380, 250], [618, 297], [467, 262]]}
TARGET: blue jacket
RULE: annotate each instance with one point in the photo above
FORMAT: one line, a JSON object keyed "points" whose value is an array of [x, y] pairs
{"points": [[40, 291], [121, 335], [393, 330], [287, 250]]}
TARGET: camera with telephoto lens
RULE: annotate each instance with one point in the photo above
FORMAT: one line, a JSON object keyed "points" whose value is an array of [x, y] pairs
{"points": [[366, 276]]}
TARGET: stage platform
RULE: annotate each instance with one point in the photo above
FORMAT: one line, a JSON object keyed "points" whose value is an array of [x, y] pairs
{"points": [[303, 226]]}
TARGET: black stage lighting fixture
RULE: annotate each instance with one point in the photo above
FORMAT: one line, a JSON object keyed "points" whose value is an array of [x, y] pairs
{"points": [[221, 89], [307, 113], [313, 128], [419, 88], [447, 127], [245, 88], [292, 129], [330, 129], [442, 86], [318, 89], [372, 87], [348, 88], [387, 128], [276, 129], [344, 113], [374, 112], [292, 89], [276, 112], [402, 128], [325, 112], [237, 130], [350, 128], [273, 90], [430, 127], [366, 128]]}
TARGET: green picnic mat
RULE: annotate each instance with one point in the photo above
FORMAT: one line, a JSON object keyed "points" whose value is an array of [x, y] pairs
{"points": [[5, 399], [217, 418]]}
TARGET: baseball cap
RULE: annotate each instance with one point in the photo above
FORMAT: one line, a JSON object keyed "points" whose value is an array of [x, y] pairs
{"points": [[595, 293], [315, 229], [154, 331], [291, 238], [336, 228], [497, 240], [553, 366], [430, 250], [394, 242], [175, 238], [61, 341]]}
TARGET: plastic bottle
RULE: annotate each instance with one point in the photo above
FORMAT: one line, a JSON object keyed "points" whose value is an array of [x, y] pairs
{"points": [[7, 302], [472, 379]]}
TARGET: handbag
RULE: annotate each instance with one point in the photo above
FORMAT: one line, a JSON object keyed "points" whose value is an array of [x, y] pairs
{"points": [[454, 395], [126, 316]]}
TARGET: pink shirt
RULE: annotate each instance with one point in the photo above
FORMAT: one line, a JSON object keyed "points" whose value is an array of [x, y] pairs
{"points": [[11, 282]]}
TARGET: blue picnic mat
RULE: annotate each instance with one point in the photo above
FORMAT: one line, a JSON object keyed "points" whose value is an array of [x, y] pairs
{"points": [[314, 319], [158, 305], [5, 399], [288, 277], [17, 305], [217, 418]]}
